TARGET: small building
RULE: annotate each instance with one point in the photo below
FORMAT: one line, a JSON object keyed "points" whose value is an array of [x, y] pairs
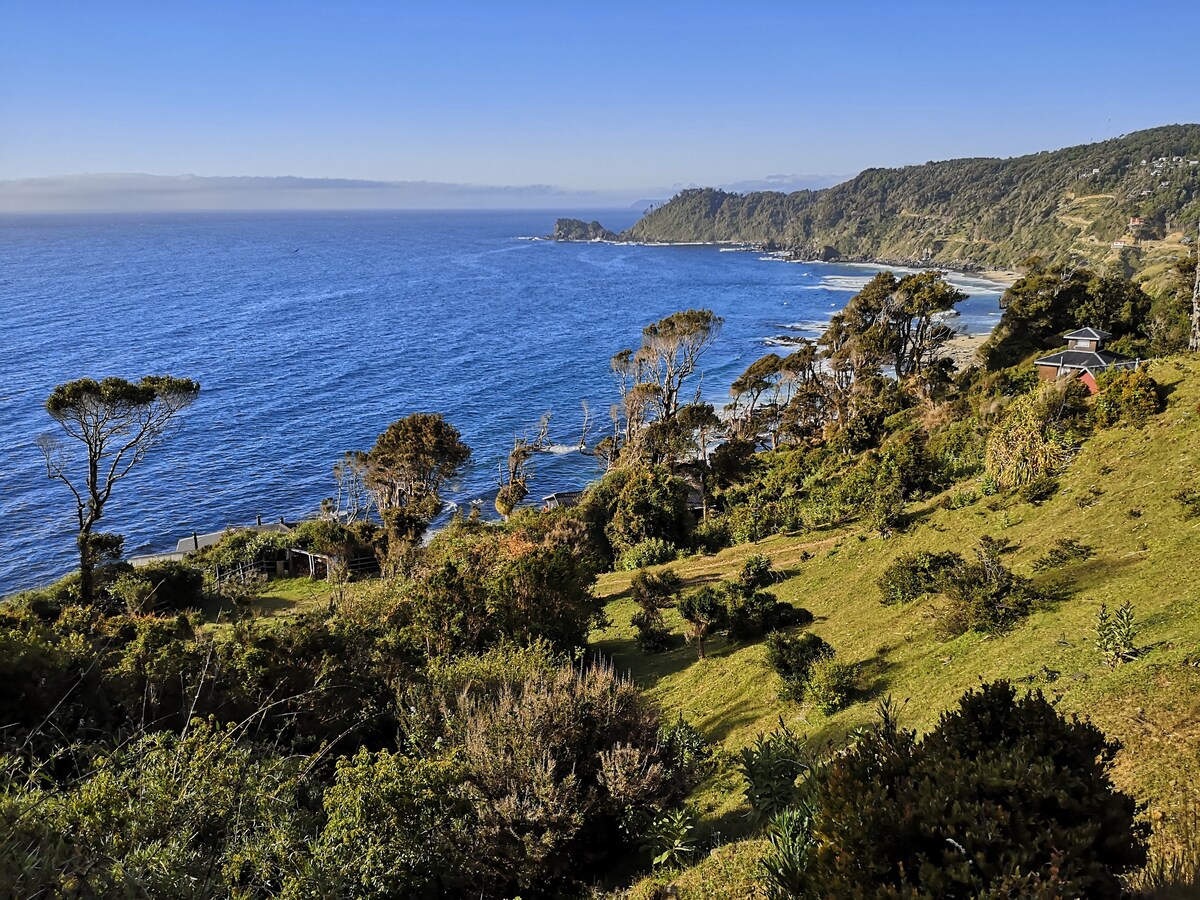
{"points": [[1122, 243], [195, 542], [1136, 222], [561, 500], [1083, 358]]}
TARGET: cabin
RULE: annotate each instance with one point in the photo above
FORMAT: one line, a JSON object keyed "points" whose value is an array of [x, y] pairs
{"points": [[561, 500], [1083, 358]]}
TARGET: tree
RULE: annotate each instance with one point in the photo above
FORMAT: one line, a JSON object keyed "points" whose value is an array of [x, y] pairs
{"points": [[1003, 798], [407, 467], [671, 348], [702, 610], [1194, 341], [118, 422]]}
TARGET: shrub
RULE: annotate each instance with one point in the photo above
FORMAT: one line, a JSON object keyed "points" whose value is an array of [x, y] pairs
{"points": [[748, 617], [1114, 634], [1189, 499], [772, 766], [554, 762], [670, 838], [792, 660], [756, 572], [1003, 798], [650, 504], [1126, 395], [1064, 552], [652, 636], [659, 589], [986, 595], [650, 552], [1038, 491], [712, 534], [177, 586], [684, 752], [784, 867], [1036, 435], [912, 575], [831, 685]]}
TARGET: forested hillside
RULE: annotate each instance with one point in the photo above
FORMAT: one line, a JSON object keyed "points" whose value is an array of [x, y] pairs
{"points": [[967, 213]]}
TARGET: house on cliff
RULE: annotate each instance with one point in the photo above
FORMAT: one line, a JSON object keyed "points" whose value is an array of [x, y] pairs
{"points": [[1083, 358]]}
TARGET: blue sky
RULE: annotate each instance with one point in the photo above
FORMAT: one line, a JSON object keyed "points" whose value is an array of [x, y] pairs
{"points": [[607, 95]]}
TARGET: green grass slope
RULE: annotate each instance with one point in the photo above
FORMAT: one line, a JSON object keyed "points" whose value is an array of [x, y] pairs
{"points": [[1117, 496]]}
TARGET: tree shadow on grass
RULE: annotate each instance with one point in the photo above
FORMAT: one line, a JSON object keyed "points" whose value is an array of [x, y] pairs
{"points": [[873, 676]]}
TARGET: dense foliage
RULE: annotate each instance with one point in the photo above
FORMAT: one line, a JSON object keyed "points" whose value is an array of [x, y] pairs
{"points": [[1003, 798], [963, 212]]}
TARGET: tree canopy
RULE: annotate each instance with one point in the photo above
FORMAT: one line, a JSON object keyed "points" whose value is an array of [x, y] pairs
{"points": [[117, 422]]}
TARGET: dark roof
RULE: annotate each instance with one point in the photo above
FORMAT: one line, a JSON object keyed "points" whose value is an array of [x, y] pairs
{"points": [[1083, 359], [1088, 334], [563, 498]]}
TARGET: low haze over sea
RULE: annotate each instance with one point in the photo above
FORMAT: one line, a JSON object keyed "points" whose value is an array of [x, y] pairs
{"points": [[310, 332]]}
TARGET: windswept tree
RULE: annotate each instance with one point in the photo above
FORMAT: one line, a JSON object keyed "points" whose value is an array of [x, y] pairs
{"points": [[514, 476], [764, 393], [891, 322], [407, 468], [670, 351], [353, 500], [117, 422]]}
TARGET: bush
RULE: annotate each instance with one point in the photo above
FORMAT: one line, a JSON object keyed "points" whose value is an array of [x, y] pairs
{"points": [[554, 762], [758, 614], [177, 586], [1036, 435], [1064, 552], [792, 659], [772, 766], [1003, 798], [1189, 499], [650, 552], [912, 575], [756, 572], [652, 636], [831, 685], [712, 534], [784, 867], [669, 838], [985, 595], [1038, 491], [1114, 634], [684, 751], [650, 504], [659, 590], [1126, 395]]}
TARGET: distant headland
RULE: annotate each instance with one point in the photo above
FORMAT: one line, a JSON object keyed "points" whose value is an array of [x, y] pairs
{"points": [[1132, 202]]}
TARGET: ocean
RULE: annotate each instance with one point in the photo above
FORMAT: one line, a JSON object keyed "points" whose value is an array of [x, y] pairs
{"points": [[310, 332]]}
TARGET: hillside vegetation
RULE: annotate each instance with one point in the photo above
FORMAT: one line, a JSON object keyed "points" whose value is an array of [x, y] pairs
{"points": [[923, 634], [971, 213], [1118, 497]]}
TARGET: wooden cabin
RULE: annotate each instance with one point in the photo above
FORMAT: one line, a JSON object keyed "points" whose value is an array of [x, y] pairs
{"points": [[1083, 358]]}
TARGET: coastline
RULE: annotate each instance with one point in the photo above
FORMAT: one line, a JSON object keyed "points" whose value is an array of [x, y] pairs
{"points": [[962, 349]]}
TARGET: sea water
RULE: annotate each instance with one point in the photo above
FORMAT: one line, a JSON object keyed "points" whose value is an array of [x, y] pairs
{"points": [[310, 332]]}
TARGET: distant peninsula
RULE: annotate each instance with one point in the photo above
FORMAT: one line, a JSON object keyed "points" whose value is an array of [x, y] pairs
{"points": [[1133, 201]]}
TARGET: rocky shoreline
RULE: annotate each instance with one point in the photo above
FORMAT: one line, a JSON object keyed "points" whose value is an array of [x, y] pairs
{"points": [[568, 230]]}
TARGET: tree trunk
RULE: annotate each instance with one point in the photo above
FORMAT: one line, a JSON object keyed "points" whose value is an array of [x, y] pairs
{"points": [[1194, 344], [87, 566]]}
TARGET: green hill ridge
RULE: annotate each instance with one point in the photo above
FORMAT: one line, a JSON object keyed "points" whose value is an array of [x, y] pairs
{"points": [[967, 214]]}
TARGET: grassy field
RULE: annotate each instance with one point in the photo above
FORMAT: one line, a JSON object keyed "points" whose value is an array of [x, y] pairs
{"points": [[279, 598], [1117, 496]]}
